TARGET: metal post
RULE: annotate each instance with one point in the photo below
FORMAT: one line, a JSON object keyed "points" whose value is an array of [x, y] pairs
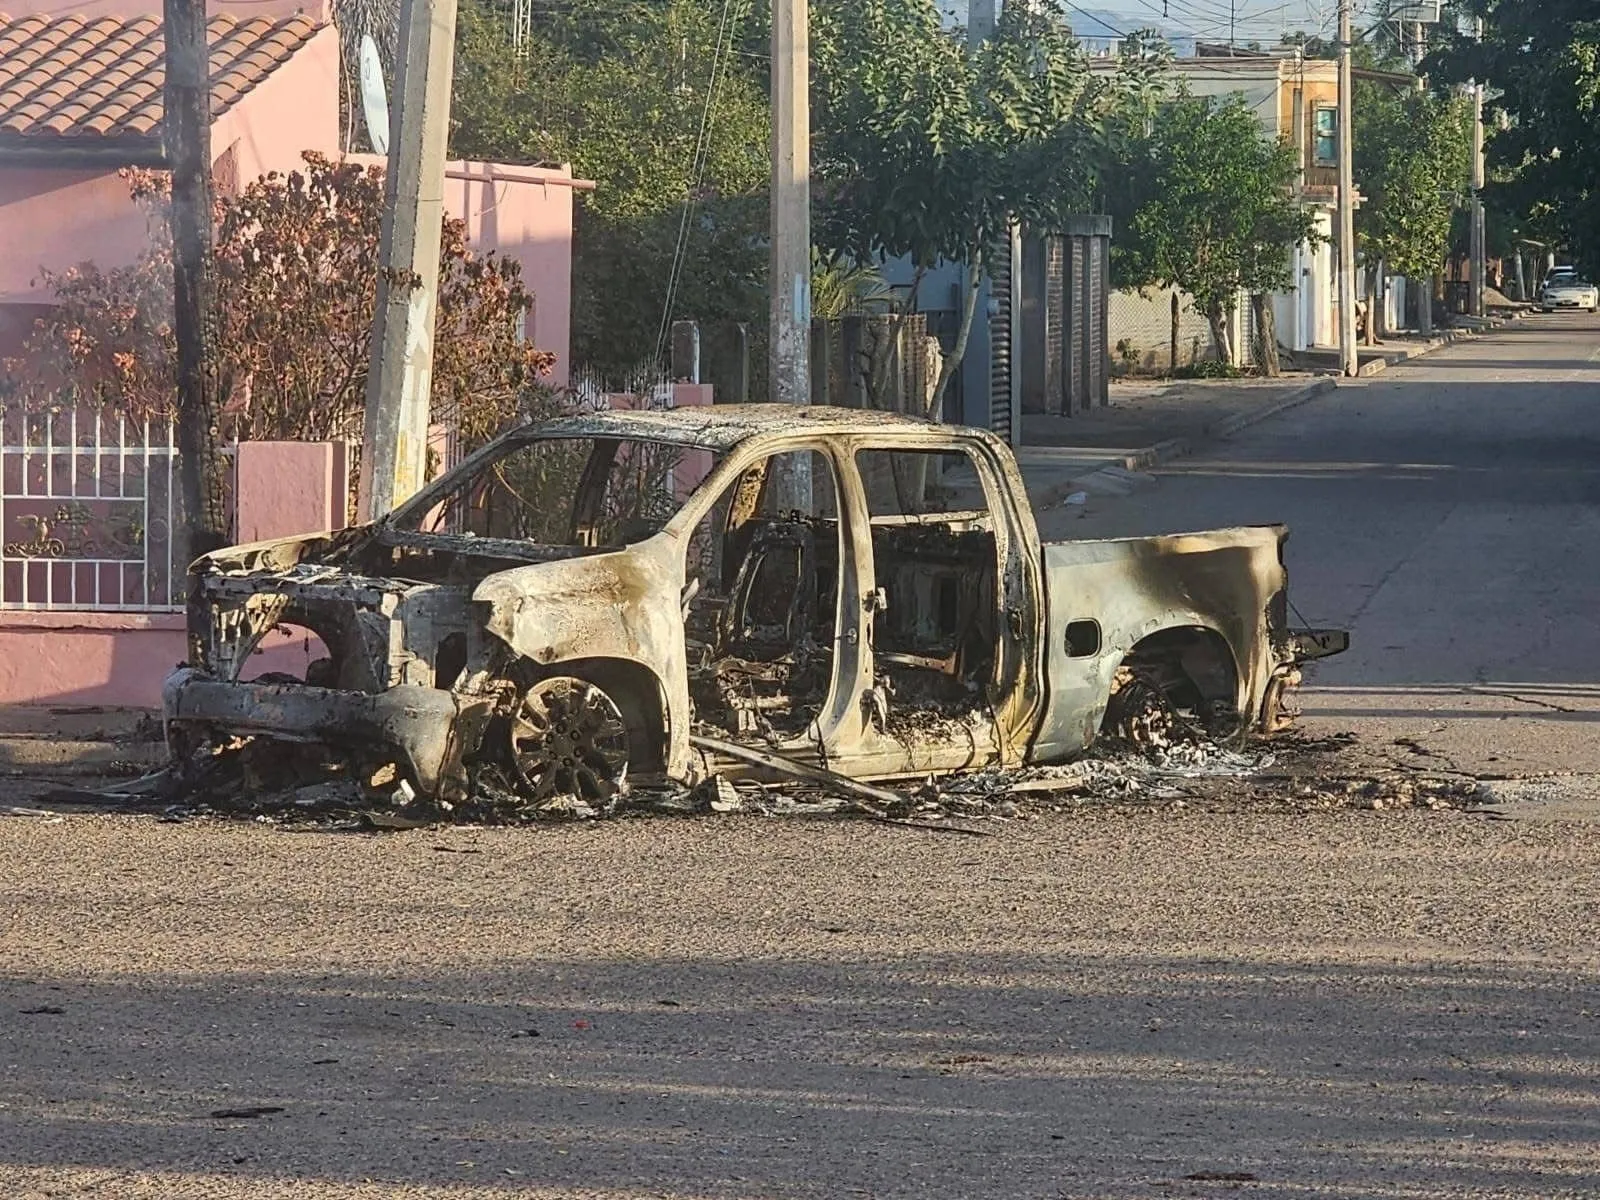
{"points": [[1348, 363], [400, 380], [1478, 250], [186, 134], [981, 22]]}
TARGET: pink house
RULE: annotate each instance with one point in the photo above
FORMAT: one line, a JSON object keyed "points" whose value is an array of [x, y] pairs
{"points": [[80, 98], [90, 613]]}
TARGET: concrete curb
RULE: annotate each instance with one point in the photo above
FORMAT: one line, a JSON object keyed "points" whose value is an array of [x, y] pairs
{"points": [[47, 757], [1111, 477], [1449, 337]]}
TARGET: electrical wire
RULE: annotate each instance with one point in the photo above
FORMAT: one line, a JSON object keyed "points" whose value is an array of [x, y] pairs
{"points": [[702, 153]]}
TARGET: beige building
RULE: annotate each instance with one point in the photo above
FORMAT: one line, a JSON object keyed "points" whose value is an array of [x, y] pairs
{"points": [[1296, 98]]}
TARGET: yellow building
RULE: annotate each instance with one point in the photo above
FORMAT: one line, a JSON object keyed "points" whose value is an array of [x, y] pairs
{"points": [[1297, 98]]}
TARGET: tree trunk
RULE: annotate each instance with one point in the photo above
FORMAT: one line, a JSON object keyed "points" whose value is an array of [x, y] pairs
{"points": [[952, 361], [1266, 336], [187, 130], [883, 352], [1217, 316], [1176, 307], [1425, 306]]}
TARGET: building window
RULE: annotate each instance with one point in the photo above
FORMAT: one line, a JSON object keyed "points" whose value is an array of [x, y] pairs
{"points": [[1325, 136]]}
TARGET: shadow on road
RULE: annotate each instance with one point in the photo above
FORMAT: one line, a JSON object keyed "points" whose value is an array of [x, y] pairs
{"points": [[959, 1077]]}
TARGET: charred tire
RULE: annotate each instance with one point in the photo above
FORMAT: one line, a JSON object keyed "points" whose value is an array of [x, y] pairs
{"points": [[568, 737], [1140, 712]]}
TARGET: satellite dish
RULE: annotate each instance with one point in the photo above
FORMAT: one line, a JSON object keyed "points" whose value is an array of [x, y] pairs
{"points": [[374, 99]]}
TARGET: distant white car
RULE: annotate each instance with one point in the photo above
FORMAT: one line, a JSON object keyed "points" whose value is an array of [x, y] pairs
{"points": [[1569, 292]]}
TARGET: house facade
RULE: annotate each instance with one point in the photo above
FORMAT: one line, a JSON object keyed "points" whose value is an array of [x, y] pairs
{"points": [[91, 567], [1293, 98], [1297, 99], [81, 99]]}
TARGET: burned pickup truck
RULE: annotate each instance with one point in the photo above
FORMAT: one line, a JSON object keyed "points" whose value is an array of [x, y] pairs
{"points": [[605, 600]]}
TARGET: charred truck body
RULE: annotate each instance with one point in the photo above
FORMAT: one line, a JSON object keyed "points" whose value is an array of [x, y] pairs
{"points": [[575, 602]]}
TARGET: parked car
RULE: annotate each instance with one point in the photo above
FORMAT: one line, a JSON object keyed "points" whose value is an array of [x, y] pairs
{"points": [[626, 596], [1569, 292]]}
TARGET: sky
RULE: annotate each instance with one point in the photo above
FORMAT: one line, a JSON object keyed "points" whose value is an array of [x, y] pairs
{"points": [[1209, 20]]}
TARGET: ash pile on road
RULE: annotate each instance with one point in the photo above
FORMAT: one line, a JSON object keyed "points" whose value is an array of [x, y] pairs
{"points": [[1291, 773]]}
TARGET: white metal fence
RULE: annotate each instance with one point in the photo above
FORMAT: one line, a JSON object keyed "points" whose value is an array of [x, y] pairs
{"points": [[88, 508]]}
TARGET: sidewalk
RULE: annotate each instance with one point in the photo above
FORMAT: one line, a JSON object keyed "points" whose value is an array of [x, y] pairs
{"points": [[1104, 452], [1107, 451], [51, 741]]}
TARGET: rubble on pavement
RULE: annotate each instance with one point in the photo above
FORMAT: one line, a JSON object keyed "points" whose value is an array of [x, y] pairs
{"points": [[269, 782]]}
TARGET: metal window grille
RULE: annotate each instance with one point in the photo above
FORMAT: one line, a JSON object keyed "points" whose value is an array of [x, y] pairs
{"points": [[88, 509]]}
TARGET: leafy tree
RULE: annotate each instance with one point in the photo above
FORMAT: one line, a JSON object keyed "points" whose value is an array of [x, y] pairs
{"points": [[926, 148], [1412, 156], [297, 267], [1213, 212], [1540, 60], [655, 104]]}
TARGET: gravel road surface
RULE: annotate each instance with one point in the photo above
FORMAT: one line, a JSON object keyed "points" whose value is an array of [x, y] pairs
{"points": [[1346, 1004], [1117, 1002]]}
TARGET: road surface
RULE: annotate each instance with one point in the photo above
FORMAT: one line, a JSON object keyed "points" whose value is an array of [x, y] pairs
{"points": [[1121, 1002], [1447, 513]]}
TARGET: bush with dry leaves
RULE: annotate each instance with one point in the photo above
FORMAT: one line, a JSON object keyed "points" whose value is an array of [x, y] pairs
{"points": [[297, 273]]}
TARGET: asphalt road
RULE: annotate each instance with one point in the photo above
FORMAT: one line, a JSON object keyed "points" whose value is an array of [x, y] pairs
{"points": [[1447, 513], [1120, 1002]]}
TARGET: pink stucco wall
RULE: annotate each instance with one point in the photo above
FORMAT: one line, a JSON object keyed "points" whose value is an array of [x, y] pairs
{"points": [[56, 218], [119, 660], [292, 110], [525, 214]]}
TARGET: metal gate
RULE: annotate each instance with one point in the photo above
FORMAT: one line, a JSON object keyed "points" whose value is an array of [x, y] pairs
{"points": [[88, 509]]}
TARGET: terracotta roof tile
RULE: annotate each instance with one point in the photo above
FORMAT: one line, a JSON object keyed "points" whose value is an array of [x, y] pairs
{"points": [[85, 83]]}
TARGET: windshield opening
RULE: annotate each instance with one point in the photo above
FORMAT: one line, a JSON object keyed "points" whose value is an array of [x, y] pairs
{"points": [[600, 493]]}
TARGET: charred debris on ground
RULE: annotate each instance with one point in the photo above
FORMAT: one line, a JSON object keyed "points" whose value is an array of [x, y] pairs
{"points": [[302, 785]]}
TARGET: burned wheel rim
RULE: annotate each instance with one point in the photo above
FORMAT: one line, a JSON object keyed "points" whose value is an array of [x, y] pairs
{"points": [[1140, 712], [568, 738]]}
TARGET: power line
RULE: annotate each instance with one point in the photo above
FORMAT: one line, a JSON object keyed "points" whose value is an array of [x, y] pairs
{"points": [[697, 170]]}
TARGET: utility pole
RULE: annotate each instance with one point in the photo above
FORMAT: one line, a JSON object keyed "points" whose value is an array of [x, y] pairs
{"points": [[1476, 234], [186, 134], [1348, 363], [400, 380], [789, 261], [790, 266]]}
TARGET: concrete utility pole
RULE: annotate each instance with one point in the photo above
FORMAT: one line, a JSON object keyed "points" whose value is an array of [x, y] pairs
{"points": [[1348, 363], [1476, 233], [395, 441], [186, 134], [789, 262], [790, 268]]}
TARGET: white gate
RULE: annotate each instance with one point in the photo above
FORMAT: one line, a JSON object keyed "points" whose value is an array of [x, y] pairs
{"points": [[88, 508]]}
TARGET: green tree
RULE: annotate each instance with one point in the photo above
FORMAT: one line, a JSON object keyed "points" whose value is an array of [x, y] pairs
{"points": [[656, 105], [928, 149], [1540, 60], [1412, 155], [1213, 212]]}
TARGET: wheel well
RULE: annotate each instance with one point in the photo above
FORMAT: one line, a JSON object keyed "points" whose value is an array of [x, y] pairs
{"points": [[1193, 665], [637, 692]]}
